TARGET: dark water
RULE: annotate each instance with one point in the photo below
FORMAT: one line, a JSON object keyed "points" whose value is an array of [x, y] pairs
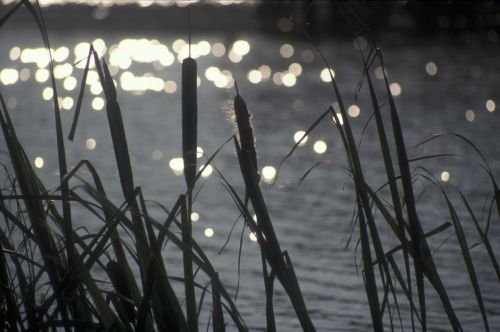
{"points": [[311, 220]]}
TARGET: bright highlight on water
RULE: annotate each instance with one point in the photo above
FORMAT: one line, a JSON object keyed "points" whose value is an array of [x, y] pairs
{"points": [[320, 147], [298, 135], [325, 74], [195, 216], [470, 115], [177, 165], [209, 232], [90, 144], [431, 68], [445, 176], [268, 174], [353, 111], [395, 89], [38, 162]]}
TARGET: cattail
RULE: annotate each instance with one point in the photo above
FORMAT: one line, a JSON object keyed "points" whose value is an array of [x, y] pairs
{"points": [[189, 133], [245, 129], [189, 119]]}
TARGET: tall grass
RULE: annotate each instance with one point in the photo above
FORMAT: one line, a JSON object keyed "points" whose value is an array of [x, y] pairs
{"points": [[41, 253]]}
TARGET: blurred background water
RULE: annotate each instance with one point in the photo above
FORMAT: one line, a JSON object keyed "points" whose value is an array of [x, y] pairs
{"points": [[442, 81]]}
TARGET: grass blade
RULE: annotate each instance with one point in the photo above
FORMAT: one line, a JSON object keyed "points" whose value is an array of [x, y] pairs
{"points": [[9, 313], [7, 15], [420, 248], [80, 95], [122, 157], [464, 249], [483, 236], [217, 314]]}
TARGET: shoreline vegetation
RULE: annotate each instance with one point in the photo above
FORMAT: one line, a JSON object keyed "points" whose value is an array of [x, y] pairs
{"points": [[324, 20], [48, 277]]}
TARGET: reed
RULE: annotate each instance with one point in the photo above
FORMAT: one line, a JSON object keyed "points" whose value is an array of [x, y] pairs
{"points": [[189, 154]]}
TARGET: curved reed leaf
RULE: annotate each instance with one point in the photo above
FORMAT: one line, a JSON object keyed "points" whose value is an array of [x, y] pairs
{"points": [[7, 15], [422, 259], [311, 128], [391, 177], [125, 308], [217, 314], [31, 186], [78, 107], [168, 314], [9, 311], [463, 247], [485, 167], [483, 236]]}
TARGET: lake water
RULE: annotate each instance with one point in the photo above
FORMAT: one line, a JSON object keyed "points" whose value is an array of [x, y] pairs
{"points": [[445, 85]]}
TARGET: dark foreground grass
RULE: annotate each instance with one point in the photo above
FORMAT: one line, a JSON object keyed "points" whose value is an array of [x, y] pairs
{"points": [[41, 253]]}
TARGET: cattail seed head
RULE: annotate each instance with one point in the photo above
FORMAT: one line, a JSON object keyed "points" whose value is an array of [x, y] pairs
{"points": [[189, 119], [245, 129]]}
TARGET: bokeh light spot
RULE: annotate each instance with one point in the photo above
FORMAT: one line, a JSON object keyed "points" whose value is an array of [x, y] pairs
{"points": [[207, 171], [470, 115], [320, 147], [209, 232], [298, 135], [218, 50], [268, 174], [170, 87], [490, 105], [353, 111], [241, 47], [9, 76], [14, 53], [177, 165], [295, 68], [325, 75], [38, 162], [47, 93], [70, 83], [395, 89], [42, 75], [289, 79], [67, 103], [90, 144], [97, 104], [265, 71], [24, 74], [431, 68], [252, 237], [445, 176], [195, 216], [286, 50], [254, 76]]}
